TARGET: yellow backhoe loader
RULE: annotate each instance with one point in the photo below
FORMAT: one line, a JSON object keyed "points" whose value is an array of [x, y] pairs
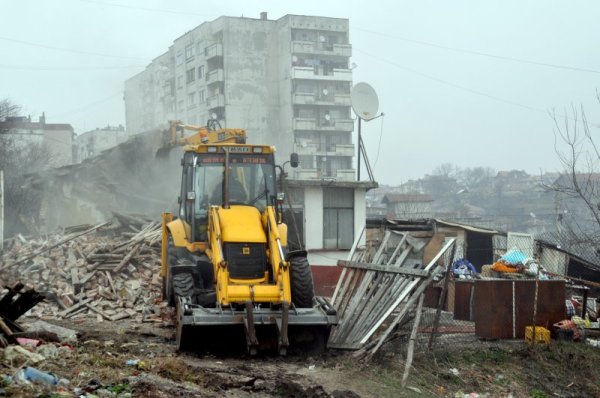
{"points": [[225, 262]]}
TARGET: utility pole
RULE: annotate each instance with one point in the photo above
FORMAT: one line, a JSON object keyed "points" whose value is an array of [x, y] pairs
{"points": [[1, 210]]}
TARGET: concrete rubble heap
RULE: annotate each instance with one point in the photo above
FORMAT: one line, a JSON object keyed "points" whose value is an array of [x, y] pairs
{"points": [[110, 271]]}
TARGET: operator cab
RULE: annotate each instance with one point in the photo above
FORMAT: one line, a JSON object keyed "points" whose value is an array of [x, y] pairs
{"points": [[248, 180]]}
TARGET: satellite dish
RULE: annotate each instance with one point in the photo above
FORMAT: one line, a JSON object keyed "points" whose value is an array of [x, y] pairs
{"points": [[294, 59], [325, 91], [327, 117], [214, 116], [364, 101]]}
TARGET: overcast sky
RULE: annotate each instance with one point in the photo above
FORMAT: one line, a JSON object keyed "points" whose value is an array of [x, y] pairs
{"points": [[466, 82]]}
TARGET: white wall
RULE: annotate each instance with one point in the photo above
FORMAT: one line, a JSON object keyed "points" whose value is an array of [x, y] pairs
{"points": [[313, 217]]}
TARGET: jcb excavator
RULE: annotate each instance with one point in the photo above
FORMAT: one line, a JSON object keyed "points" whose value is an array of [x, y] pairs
{"points": [[225, 262]]}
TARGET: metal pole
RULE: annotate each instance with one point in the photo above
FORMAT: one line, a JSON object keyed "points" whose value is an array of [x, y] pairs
{"points": [[359, 148], [1, 210]]}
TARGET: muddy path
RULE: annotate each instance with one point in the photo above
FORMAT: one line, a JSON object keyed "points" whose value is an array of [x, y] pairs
{"points": [[99, 363]]}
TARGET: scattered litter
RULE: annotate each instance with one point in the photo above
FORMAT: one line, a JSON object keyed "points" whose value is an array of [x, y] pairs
{"points": [[16, 352], [454, 371], [25, 342], [415, 389], [30, 374], [311, 367]]}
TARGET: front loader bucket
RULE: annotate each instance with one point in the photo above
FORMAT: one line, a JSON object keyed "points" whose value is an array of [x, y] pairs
{"points": [[252, 329]]}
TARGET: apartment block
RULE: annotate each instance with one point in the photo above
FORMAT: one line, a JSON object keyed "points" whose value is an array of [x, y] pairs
{"points": [[286, 81]]}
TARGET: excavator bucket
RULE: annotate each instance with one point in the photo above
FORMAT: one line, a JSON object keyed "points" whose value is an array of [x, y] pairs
{"points": [[252, 329]]}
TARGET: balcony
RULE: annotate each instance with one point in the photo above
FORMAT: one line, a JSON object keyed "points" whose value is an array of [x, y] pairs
{"points": [[304, 124], [341, 150], [306, 149], [215, 101], [216, 50], [344, 125], [215, 76], [345, 174], [309, 72], [303, 99], [312, 99], [342, 99], [311, 47], [307, 174], [332, 125]]}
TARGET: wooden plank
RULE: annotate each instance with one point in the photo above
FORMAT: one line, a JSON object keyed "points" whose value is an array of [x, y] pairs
{"points": [[411, 342], [406, 291], [384, 268], [59, 243], [350, 255], [126, 259], [110, 282], [75, 307], [99, 312], [438, 311], [418, 293]]}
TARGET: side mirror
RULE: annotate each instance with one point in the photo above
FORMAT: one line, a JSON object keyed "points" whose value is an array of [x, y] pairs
{"points": [[294, 162]]}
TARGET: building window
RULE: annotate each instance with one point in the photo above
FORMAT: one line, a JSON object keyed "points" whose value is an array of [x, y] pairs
{"points": [[179, 59], [199, 48], [190, 75], [180, 105], [189, 51], [201, 72], [179, 81], [191, 99], [201, 96], [338, 218]]}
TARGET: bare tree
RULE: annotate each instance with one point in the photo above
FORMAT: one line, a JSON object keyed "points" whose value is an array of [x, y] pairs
{"points": [[18, 157], [447, 170], [578, 188], [476, 176], [7, 108]]}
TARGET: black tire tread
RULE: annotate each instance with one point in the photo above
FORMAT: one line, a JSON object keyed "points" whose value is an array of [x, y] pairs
{"points": [[301, 282], [183, 284]]}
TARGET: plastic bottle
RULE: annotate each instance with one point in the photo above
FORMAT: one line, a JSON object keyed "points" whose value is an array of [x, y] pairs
{"points": [[33, 374]]}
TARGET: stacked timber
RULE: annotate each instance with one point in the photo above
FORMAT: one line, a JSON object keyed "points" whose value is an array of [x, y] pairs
{"points": [[109, 271]]}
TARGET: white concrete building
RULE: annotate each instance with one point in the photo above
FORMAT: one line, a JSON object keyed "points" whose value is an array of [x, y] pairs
{"points": [[92, 142], [287, 82], [56, 138]]}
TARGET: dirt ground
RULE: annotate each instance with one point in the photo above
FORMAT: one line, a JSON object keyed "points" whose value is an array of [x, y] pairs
{"points": [[97, 366]]}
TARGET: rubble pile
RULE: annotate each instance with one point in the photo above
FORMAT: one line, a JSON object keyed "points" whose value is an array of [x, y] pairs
{"points": [[109, 271]]}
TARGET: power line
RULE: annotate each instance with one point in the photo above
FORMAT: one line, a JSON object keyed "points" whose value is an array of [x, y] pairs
{"points": [[467, 89], [90, 105], [379, 144], [162, 11], [75, 51], [67, 68], [483, 54]]}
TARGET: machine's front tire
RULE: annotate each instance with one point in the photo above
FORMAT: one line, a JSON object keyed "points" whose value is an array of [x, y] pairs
{"points": [[301, 282], [183, 285]]}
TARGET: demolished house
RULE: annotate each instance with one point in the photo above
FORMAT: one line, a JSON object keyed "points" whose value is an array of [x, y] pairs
{"points": [[122, 178]]}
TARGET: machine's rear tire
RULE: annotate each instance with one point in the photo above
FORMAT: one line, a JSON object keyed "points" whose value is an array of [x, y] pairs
{"points": [[301, 282], [183, 284]]}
